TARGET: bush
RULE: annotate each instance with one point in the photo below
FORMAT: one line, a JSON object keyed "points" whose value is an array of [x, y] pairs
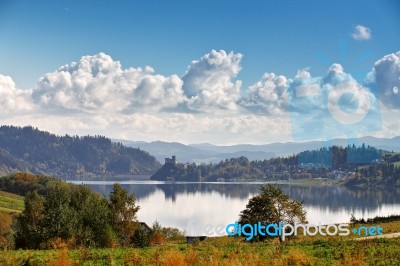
{"points": [[157, 238], [171, 233], [111, 238], [141, 238], [59, 243]]}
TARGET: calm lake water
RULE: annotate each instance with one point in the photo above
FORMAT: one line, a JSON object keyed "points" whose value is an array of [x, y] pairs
{"points": [[206, 208]]}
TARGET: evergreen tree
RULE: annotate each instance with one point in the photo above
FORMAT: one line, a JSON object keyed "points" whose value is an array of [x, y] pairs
{"points": [[30, 221]]}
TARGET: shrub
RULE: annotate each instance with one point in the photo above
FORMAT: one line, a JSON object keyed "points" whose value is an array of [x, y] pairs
{"points": [[59, 243], [141, 238], [171, 233], [157, 238]]}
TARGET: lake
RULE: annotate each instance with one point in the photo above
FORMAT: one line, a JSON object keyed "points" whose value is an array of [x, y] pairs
{"points": [[206, 208]]}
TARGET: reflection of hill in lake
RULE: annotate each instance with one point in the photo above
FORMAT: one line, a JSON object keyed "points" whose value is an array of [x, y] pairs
{"points": [[241, 191], [332, 198], [140, 190], [339, 197]]}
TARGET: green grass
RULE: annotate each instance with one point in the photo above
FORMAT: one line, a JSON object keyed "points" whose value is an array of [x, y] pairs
{"points": [[223, 251], [228, 251], [11, 203]]}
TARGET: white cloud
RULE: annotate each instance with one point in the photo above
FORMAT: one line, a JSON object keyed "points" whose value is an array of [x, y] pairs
{"points": [[12, 99], [335, 69], [322, 89], [99, 84], [331, 106], [268, 95], [303, 73], [97, 96], [178, 127], [361, 33], [209, 82], [386, 77], [307, 90], [274, 95]]}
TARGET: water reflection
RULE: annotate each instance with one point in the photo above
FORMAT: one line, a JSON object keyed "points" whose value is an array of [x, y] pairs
{"points": [[191, 206]]}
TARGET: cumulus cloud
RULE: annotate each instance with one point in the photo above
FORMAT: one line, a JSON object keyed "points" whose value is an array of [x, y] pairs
{"points": [[361, 33], [303, 73], [209, 82], [98, 83], [386, 77], [177, 127], [268, 95], [12, 99], [335, 83], [274, 95], [331, 106], [95, 94]]}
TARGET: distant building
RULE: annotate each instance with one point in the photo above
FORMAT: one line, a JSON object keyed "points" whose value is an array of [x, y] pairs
{"points": [[146, 228], [171, 161], [175, 163]]}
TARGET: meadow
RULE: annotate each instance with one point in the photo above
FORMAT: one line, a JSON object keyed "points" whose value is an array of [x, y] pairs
{"points": [[11, 203], [304, 250]]}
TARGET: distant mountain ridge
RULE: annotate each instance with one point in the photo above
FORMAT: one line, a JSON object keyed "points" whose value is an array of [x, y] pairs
{"points": [[192, 154], [69, 157], [350, 165], [209, 153]]}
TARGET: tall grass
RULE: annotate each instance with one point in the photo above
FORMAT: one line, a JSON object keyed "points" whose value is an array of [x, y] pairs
{"points": [[223, 251]]}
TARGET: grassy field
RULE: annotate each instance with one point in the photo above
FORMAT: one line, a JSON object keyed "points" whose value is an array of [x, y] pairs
{"points": [[11, 203], [228, 251]]}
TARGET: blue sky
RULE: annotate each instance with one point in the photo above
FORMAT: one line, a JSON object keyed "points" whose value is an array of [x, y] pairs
{"points": [[280, 37]]}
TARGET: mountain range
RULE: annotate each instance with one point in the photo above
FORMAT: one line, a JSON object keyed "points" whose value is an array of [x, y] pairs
{"points": [[29, 149], [209, 153]]}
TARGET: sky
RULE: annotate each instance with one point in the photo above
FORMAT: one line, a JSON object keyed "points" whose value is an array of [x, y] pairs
{"points": [[221, 72]]}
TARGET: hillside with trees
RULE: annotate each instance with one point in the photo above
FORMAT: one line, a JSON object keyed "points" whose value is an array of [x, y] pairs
{"points": [[352, 165], [69, 157], [53, 214]]}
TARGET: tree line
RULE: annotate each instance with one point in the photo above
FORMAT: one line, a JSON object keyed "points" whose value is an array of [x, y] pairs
{"points": [[29, 149], [62, 215], [321, 163]]}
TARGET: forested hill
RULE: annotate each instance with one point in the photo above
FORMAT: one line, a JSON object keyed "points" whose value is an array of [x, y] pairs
{"points": [[39, 152], [352, 165]]}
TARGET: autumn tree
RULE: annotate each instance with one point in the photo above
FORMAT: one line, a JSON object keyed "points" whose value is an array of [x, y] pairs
{"points": [[5, 230], [272, 206], [123, 211]]}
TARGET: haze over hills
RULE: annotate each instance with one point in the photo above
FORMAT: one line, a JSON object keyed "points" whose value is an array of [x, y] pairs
{"points": [[209, 153], [189, 153], [32, 150]]}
